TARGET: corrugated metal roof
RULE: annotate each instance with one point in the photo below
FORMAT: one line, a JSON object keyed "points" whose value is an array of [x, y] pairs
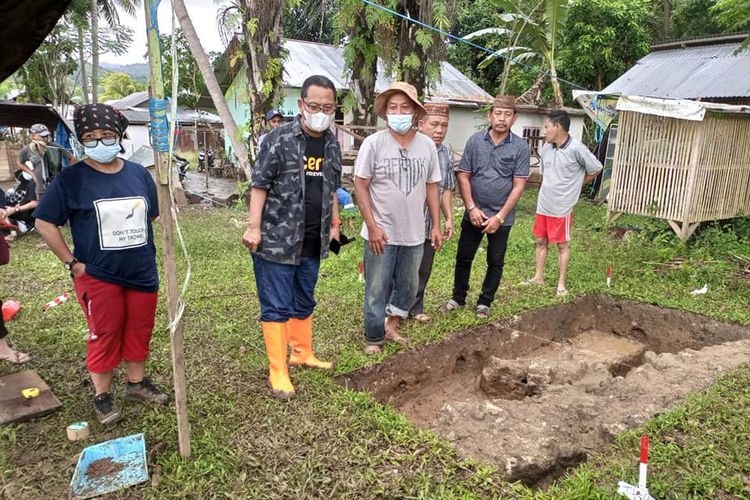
{"points": [[711, 71], [309, 58], [186, 116], [131, 100]]}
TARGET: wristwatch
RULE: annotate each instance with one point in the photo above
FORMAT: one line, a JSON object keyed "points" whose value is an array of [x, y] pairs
{"points": [[69, 265], [500, 218]]}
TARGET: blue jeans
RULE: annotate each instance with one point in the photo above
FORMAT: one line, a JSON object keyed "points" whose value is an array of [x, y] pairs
{"points": [[397, 265], [286, 291]]}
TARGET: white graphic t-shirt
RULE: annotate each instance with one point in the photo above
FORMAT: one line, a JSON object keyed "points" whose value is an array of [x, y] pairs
{"points": [[398, 184], [123, 222]]}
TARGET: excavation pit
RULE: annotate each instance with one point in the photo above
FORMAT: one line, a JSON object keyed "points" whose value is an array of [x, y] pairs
{"points": [[537, 393]]}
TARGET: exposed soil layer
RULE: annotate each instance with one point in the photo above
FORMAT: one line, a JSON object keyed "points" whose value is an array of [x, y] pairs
{"points": [[538, 392]]}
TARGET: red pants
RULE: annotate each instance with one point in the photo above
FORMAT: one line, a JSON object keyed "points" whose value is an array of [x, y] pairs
{"points": [[120, 322]]}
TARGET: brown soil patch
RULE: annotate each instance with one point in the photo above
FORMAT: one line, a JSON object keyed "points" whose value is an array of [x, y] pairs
{"points": [[103, 467], [535, 394]]}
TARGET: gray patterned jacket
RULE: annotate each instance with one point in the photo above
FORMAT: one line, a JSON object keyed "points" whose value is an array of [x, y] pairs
{"points": [[280, 171]]}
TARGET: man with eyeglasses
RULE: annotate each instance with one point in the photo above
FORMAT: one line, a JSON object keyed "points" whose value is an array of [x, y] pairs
{"points": [[396, 172], [491, 179], [293, 217]]}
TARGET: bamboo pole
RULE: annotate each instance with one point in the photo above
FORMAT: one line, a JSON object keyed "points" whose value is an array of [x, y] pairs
{"points": [[168, 244]]}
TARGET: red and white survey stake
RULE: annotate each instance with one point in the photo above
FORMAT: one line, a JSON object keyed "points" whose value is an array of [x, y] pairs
{"points": [[361, 271], [56, 302], [639, 492], [609, 276]]}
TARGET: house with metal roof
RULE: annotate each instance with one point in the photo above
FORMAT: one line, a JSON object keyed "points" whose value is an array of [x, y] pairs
{"points": [[195, 127], [464, 97], [708, 69]]}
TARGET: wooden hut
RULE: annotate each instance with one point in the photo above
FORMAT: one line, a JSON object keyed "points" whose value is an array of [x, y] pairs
{"points": [[682, 161]]}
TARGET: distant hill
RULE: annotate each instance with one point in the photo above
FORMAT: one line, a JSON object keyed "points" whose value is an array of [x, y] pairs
{"points": [[138, 71]]}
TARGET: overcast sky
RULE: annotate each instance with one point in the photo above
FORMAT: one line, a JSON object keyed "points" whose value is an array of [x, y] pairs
{"points": [[202, 13]]}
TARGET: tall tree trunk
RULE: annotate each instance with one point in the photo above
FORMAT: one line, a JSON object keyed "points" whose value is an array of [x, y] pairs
{"points": [[82, 64], [364, 74], [264, 60], [94, 51], [666, 13], [408, 46], [212, 84]]}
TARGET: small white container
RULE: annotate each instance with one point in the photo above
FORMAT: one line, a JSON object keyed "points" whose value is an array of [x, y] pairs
{"points": [[78, 431]]}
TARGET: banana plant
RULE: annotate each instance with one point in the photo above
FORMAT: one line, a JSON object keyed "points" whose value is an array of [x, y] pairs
{"points": [[531, 35]]}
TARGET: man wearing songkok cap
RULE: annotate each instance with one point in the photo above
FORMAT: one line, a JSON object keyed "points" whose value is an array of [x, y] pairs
{"points": [[491, 179], [435, 126], [396, 172]]}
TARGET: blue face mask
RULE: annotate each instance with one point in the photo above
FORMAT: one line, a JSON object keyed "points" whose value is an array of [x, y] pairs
{"points": [[102, 153], [400, 124]]}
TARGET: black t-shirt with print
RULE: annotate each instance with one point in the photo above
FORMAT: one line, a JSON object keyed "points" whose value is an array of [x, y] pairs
{"points": [[314, 154]]}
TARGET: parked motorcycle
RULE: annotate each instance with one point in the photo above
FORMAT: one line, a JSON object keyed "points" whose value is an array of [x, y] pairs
{"points": [[202, 159]]}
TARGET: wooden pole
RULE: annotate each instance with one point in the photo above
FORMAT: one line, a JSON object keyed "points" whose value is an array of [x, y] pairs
{"points": [[168, 244]]}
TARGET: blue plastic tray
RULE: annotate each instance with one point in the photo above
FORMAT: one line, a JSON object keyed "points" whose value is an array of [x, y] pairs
{"points": [[110, 466]]}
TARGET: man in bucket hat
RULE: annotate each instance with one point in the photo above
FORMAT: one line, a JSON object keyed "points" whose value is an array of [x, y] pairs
{"points": [[491, 179], [396, 172]]}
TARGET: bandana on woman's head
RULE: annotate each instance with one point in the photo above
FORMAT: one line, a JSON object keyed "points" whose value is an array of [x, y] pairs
{"points": [[98, 116]]}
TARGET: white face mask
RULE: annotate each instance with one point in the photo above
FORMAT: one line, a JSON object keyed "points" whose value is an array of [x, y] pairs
{"points": [[317, 122]]}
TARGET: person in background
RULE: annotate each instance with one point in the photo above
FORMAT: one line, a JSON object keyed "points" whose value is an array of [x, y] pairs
{"points": [[396, 173], [434, 125], [491, 179], [45, 156], [110, 204], [274, 119], [6, 352], [24, 202], [566, 165], [294, 217]]}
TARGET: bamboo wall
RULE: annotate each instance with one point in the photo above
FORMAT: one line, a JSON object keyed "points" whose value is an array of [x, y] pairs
{"points": [[682, 171]]}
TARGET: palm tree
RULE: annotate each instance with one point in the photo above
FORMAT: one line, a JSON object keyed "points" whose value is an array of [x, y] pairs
{"points": [[85, 14], [263, 54], [534, 35], [109, 8], [212, 84]]}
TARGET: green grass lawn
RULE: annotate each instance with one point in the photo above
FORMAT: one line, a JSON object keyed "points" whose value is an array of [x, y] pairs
{"points": [[333, 443]]}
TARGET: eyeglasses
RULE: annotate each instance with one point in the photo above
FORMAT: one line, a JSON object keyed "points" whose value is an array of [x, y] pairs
{"points": [[315, 107], [107, 141]]}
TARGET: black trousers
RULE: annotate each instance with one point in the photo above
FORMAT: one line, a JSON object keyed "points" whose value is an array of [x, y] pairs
{"points": [[468, 243], [425, 270]]}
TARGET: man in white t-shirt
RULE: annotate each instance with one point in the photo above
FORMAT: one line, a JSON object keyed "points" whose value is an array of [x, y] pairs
{"points": [[566, 165], [396, 173]]}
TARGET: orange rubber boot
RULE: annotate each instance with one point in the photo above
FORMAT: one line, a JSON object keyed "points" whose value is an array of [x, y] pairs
{"points": [[275, 335], [300, 340]]}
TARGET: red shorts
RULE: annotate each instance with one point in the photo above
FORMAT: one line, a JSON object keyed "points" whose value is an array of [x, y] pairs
{"points": [[554, 229], [120, 322]]}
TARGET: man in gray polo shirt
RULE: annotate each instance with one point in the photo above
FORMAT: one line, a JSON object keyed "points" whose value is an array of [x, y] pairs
{"points": [[491, 179], [566, 166]]}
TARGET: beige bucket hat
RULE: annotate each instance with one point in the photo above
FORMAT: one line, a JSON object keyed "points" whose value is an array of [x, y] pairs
{"points": [[405, 88]]}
